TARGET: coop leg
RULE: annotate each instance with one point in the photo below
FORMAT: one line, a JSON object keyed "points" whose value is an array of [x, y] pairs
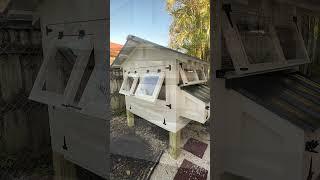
{"points": [[174, 140], [63, 169], [130, 118]]}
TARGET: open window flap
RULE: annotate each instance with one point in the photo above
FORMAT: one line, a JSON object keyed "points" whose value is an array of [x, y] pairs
{"points": [[149, 86], [129, 84], [94, 99], [258, 46], [60, 72], [192, 75]]}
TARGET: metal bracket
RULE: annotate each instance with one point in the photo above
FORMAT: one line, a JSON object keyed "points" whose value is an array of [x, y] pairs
{"points": [[244, 69], [48, 30], [64, 143], [60, 35], [70, 106], [82, 33], [169, 67], [164, 121]]}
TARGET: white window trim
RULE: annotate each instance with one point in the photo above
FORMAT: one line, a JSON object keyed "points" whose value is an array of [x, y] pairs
{"points": [[239, 56], [157, 88], [52, 98], [185, 80], [133, 86]]}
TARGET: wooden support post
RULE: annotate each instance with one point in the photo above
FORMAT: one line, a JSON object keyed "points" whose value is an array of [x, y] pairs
{"points": [[130, 118], [174, 143], [63, 169]]}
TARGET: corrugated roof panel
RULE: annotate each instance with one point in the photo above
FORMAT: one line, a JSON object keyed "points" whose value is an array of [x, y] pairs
{"points": [[289, 95], [199, 91]]}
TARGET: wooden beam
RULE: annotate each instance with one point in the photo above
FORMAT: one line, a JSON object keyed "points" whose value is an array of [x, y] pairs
{"points": [[63, 169], [174, 143], [130, 118]]}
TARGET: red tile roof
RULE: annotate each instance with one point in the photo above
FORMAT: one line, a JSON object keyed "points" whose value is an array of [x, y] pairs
{"points": [[114, 51]]}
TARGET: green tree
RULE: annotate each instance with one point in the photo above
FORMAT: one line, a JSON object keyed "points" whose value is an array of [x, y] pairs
{"points": [[190, 29]]}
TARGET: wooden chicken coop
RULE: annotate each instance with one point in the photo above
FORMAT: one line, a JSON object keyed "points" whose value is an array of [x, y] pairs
{"points": [[163, 86]]}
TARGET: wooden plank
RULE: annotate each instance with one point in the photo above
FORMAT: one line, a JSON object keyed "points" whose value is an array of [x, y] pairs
{"points": [[174, 143], [63, 169], [130, 118], [234, 44]]}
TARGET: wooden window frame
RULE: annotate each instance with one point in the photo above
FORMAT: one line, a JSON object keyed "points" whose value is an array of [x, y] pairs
{"points": [[239, 56], [185, 80], [133, 86], [154, 97], [85, 46]]}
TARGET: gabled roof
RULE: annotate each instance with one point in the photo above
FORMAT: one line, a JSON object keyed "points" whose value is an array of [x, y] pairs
{"points": [[291, 96], [133, 42]]}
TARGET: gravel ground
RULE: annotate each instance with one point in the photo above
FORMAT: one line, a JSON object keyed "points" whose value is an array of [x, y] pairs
{"points": [[156, 137], [135, 151], [26, 166]]}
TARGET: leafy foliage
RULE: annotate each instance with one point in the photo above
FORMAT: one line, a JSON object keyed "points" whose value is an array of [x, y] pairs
{"points": [[190, 29]]}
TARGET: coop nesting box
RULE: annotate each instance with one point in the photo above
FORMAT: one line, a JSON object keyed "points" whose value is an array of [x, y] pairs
{"points": [[163, 86]]}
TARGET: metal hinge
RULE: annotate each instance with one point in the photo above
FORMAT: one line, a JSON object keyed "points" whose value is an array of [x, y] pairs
{"points": [[48, 30], [169, 67], [82, 33], [60, 35], [64, 143], [70, 106]]}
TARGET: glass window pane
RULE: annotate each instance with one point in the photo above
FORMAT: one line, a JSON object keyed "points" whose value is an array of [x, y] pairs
{"points": [[148, 85]]}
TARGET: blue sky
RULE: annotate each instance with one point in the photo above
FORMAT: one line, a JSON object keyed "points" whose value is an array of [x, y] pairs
{"points": [[147, 19]]}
